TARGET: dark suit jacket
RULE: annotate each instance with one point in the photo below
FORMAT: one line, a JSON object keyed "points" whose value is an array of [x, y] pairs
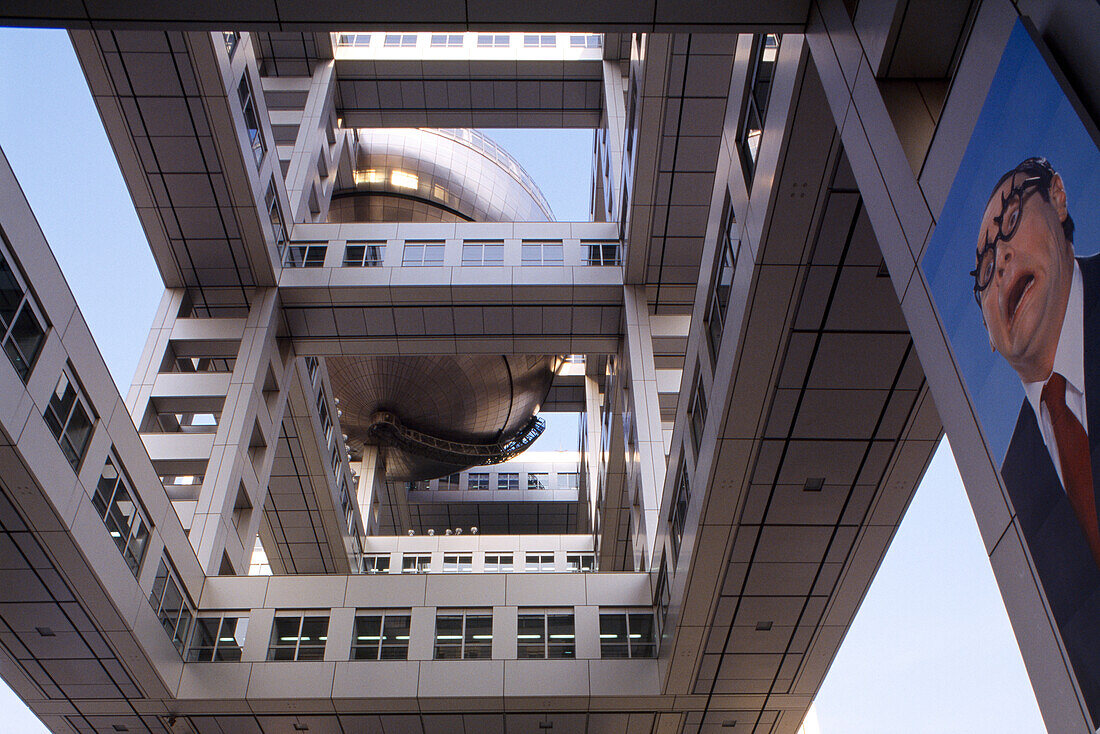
{"points": [[1067, 570]]}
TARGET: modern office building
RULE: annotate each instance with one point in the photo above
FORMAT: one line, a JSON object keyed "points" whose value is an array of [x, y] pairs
{"points": [[312, 511]]}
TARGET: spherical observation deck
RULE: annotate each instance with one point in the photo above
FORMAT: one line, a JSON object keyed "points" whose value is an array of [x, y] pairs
{"points": [[421, 175]]}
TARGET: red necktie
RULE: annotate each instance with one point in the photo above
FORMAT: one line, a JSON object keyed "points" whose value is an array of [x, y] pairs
{"points": [[1073, 455]]}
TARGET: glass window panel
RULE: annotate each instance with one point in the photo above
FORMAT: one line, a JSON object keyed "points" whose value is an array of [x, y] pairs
{"points": [[395, 637], [231, 639], [284, 638], [11, 294], [314, 636], [448, 636], [479, 637], [531, 636], [613, 636], [204, 640], [368, 638], [641, 636], [561, 640]]}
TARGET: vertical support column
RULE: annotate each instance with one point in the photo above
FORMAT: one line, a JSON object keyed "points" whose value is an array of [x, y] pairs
{"points": [[228, 513], [646, 467], [313, 164], [370, 477], [208, 399]]}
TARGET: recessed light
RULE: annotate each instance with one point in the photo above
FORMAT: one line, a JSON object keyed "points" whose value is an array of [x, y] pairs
{"points": [[120, 727], [729, 723], [763, 626], [45, 632], [301, 727], [814, 484]]}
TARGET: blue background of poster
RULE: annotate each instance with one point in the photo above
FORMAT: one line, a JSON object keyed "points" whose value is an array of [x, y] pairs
{"points": [[1026, 114]]}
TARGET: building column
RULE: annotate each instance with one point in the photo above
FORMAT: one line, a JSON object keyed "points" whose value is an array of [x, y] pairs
{"points": [[208, 399]]}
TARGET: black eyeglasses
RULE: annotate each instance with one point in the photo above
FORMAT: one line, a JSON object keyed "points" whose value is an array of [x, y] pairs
{"points": [[1008, 221]]}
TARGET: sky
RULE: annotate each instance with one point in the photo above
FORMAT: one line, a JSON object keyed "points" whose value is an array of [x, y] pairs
{"points": [[930, 650]]}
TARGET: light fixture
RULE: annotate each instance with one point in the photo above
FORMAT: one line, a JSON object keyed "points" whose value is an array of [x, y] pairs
{"points": [[814, 484], [764, 625], [411, 532], [45, 632], [431, 531]]}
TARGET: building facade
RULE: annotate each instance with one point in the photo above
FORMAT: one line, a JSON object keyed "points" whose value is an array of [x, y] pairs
{"points": [[368, 303]]}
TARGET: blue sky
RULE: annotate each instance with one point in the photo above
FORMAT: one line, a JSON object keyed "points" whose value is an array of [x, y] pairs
{"points": [[931, 649]]}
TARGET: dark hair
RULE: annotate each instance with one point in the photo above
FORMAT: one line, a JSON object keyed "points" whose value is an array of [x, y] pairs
{"points": [[1037, 166]]}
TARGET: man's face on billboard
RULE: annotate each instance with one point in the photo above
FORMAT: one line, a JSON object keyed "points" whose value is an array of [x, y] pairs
{"points": [[1030, 268]]}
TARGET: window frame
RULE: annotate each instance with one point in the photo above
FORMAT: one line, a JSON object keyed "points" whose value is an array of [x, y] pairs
{"points": [[371, 563], [26, 308], [542, 646], [305, 255], [646, 648], [422, 248], [235, 651], [277, 642], [498, 564], [421, 562], [536, 562], [376, 649], [372, 256], [60, 426], [470, 645], [104, 500], [253, 127], [508, 481], [168, 578]]}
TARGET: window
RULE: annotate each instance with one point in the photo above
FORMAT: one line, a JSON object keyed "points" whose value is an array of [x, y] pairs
{"points": [[508, 480], [450, 483], [21, 330], [545, 635], [764, 53], [251, 120], [231, 39], [458, 563], [379, 563], [125, 520], [399, 40], [416, 563], [275, 215], [218, 639], [324, 416], [662, 595], [201, 364], [422, 254], [723, 283], [170, 605], [627, 635], [446, 40], [498, 563], [298, 637], [546, 40], [305, 256], [538, 480], [477, 481], [590, 40], [697, 411], [353, 39], [482, 253], [677, 513], [601, 253], [580, 561], [539, 562], [498, 40], [463, 636], [381, 636], [569, 480], [364, 254], [541, 253], [70, 419]]}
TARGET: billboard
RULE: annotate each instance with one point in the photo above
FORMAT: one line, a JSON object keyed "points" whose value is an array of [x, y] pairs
{"points": [[1014, 271]]}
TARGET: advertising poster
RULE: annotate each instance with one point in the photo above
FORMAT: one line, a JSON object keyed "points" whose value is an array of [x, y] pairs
{"points": [[1014, 269]]}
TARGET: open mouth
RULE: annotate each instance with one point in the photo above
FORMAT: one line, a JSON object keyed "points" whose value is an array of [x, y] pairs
{"points": [[1016, 294]]}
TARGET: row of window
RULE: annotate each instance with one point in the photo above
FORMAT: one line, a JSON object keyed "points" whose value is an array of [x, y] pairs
{"points": [[384, 635], [457, 40], [506, 481], [370, 254], [464, 562]]}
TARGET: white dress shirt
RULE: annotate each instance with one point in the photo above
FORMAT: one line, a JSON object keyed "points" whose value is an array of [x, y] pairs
{"points": [[1069, 361]]}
